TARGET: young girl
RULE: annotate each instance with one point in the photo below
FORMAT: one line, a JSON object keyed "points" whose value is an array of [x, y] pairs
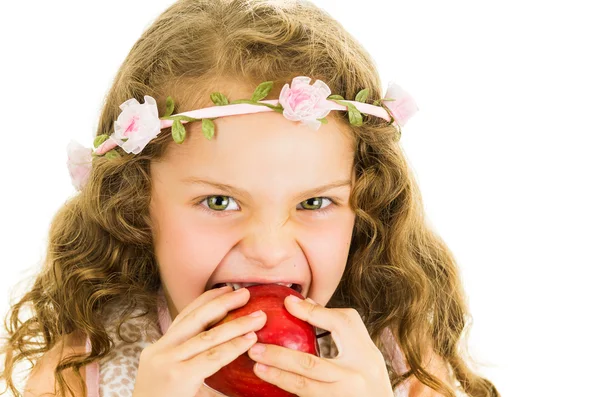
{"points": [[285, 168]]}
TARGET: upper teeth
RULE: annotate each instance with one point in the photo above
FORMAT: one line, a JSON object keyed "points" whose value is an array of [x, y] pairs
{"points": [[237, 286]]}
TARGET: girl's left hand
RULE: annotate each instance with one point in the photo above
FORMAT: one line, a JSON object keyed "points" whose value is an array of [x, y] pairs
{"points": [[358, 370]]}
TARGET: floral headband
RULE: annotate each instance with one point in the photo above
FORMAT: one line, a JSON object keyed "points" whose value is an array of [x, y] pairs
{"points": [[139, 123]]}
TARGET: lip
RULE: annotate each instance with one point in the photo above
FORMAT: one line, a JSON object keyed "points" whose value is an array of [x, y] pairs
{"points": [[303, 285]]}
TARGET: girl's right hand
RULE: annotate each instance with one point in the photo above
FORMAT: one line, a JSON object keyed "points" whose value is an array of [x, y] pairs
{"points": [[178, 363]]}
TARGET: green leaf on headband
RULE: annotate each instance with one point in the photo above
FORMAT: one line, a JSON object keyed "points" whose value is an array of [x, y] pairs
{"points": [[178, 131], [208, 128], [99, 140], [378, 102], [236, 101], [354, 115], [170, 107], [398, 134], [362, 95], [323, 120], [262, 91], [335, 97], [219, 99], [113, 154]]}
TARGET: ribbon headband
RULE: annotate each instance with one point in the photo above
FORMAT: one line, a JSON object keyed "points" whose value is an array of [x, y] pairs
{"points": [[139, 123]]}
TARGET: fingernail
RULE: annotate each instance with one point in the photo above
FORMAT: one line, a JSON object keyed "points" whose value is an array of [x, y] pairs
{"points": [[258, 348], [293, 298], [257, 313], [250, 335], [240, 290], [311, 301], [261, 367]]}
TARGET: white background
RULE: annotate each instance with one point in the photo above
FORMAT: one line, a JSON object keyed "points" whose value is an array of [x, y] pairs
{"points": [[505, 149]]}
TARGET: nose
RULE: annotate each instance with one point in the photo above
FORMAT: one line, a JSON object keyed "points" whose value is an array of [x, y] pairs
{"points": [[269, 244]]}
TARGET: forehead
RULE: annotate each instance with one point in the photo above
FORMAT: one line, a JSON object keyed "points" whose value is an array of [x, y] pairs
{"points": [[264, 145]]}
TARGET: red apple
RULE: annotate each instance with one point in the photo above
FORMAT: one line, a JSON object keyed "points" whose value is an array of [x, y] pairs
{"points": [[237, 379]]}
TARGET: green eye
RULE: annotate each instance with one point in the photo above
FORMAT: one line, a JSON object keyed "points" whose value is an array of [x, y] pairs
{"points": [[218, 203], [222, 204], [314, 203]]}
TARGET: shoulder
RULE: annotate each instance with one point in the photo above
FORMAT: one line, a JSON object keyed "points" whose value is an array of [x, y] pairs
{"points": [[41, 380]]}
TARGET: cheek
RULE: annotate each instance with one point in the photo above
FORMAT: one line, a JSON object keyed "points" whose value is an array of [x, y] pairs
{"points": [[188, 251], [327, 252], [328, 249]]}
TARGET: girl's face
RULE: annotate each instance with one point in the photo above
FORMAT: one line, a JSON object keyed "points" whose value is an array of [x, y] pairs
{"points": [[266, 200]]}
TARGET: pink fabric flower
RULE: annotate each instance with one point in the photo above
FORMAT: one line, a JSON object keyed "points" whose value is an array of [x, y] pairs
{"points": [[403, 107], [79, 164], [138, 123], [305, 102]]}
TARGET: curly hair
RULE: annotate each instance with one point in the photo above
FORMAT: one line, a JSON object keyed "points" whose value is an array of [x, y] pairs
{"points": [[399, 273]]}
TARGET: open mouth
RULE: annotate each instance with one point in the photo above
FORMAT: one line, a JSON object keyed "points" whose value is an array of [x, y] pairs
{"points": [[238, 285]]}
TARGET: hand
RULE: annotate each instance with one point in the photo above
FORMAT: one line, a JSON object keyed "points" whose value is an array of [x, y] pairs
{"points": [[178, 363], [358, 370]]}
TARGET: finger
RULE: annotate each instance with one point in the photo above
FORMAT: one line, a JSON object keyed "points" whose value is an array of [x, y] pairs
{"points": [[210, 361], [204, 316], [293, 383], [305, 364], [201, 300], [345, 324], [215, 336]]}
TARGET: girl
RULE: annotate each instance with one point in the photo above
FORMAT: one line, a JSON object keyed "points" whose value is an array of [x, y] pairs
{"points": [[282, 190]]}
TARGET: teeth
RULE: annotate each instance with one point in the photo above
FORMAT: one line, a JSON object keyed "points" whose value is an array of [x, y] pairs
{"points": [[237, 286], [244, 285]]}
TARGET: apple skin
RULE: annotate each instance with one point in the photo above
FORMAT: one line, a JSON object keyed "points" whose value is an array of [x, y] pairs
{"points": [[237, 379]]}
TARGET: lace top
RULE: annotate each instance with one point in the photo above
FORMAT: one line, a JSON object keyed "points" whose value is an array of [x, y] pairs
{"points": [[114, 375]]}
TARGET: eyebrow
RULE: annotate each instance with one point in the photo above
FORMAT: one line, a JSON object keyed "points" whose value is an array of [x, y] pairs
{"points": [[243, 193]]}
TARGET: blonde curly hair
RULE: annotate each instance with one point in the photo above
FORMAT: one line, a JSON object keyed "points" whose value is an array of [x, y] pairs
{"points": [[399, 273]]}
